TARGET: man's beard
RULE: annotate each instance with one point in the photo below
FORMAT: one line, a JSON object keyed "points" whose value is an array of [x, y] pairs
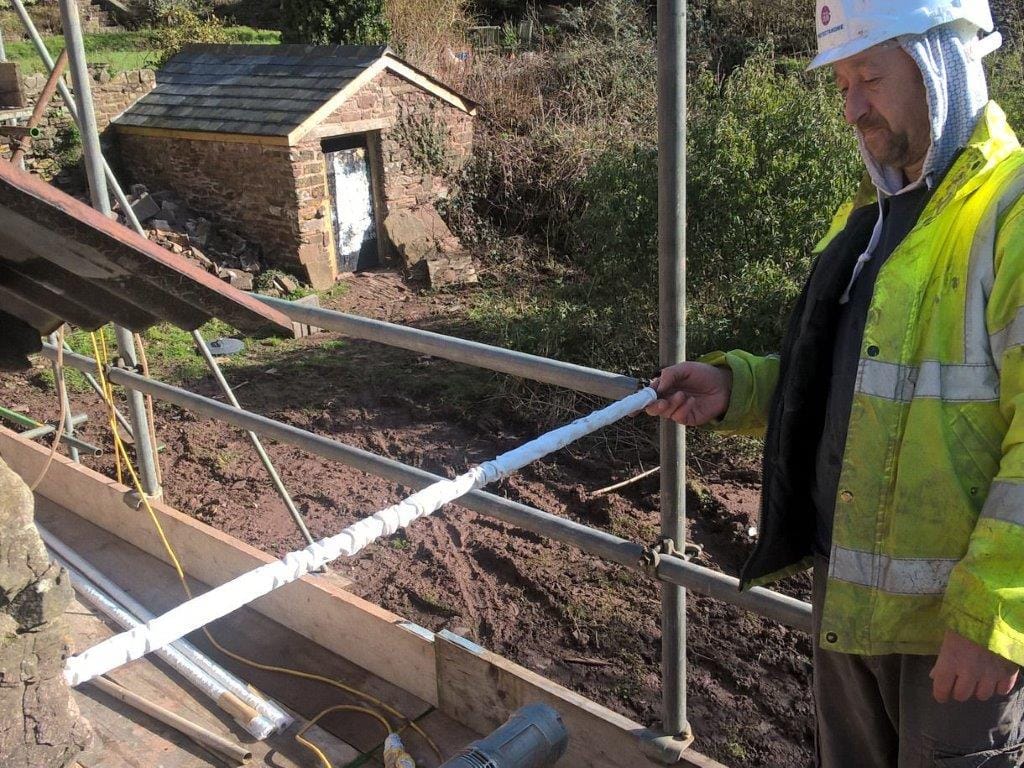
{"points": [[894, 150]]}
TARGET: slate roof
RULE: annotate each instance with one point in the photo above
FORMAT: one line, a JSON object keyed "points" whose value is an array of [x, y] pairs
{"points": [[266, 90]]}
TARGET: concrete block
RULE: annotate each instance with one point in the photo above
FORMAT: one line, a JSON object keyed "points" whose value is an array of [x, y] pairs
{"points": [[145, 207]]}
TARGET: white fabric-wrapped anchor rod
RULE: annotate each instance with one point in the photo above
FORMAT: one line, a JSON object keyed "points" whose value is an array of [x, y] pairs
{"points": [[200, 611]]}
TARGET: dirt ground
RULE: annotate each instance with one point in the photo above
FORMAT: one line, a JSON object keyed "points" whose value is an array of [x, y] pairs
{"points": [[584, 623]]}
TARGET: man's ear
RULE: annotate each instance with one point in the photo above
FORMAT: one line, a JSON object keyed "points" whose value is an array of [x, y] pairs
{"points": [[18, 340]]}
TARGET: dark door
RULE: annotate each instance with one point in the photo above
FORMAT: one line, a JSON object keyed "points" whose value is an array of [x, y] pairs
{"points": [[352, 214]]}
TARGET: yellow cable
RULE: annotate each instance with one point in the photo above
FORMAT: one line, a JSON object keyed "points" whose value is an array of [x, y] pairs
{"points": [[119, 446], [337, 708]]}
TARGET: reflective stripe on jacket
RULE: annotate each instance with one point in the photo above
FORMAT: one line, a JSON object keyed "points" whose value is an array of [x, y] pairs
{"points": [[929, 516]]}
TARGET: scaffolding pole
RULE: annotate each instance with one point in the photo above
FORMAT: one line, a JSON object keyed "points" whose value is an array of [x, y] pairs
{"points": [[96, 171], [672, 344], [781, 608]]}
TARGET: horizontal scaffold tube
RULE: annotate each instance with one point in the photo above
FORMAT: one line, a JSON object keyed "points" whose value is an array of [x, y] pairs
{"points": [[577, 377], [202, 671], [242, 590], [675, 570]]}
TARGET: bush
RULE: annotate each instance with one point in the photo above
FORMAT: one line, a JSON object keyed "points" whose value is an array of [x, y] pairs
{"points": [[323, 22], [182, 22]]}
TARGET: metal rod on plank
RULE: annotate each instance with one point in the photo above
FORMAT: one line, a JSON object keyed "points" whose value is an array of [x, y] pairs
{"points": [[580, 378], [69, 105], [781, 608], [96, 170], [204, 737], [672, 341], [275, 478], [99, 391]]}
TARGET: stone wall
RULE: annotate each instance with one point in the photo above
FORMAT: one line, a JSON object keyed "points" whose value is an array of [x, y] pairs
{"points": [[39, 720], [247, 188], [111, 94]]}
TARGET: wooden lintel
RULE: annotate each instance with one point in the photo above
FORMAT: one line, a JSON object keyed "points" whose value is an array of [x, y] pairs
{"points": [[326, 130], [229, 138]]}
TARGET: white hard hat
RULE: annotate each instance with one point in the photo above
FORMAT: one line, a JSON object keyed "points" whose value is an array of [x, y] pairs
{"points": [[847, 27]]}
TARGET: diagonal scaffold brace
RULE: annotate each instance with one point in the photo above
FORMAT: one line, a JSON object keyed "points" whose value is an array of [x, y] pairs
{"points": [[220, 601]]}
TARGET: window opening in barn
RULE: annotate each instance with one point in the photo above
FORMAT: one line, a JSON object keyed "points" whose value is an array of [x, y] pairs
{"points": [[349, 178]]}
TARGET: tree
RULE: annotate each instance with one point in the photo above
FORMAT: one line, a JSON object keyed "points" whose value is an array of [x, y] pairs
{"points": [[323, 22]]}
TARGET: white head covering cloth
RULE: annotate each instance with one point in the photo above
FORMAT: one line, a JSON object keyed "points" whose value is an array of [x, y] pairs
{"points": [[949, 58]]}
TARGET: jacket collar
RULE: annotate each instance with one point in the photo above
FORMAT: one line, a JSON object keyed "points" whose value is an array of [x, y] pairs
{"points": [[992, 142]]}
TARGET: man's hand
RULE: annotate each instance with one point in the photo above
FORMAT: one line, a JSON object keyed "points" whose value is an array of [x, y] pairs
{"points": [[692, 394], [966, 670]]}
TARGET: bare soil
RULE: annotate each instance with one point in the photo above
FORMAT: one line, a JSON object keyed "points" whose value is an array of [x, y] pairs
{"points": [[582, 622]]}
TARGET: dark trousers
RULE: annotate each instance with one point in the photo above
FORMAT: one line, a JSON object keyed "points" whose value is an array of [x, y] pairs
{"points": [[879, 712]]}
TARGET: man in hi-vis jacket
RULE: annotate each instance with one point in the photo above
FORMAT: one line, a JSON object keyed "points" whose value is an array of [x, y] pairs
{"points": [[894, 414]]}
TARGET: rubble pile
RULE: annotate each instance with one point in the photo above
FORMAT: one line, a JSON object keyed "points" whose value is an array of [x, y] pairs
{"points": [[216, 249]]}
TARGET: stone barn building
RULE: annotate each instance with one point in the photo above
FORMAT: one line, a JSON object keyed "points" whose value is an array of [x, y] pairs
{"points": [[304, 149]]}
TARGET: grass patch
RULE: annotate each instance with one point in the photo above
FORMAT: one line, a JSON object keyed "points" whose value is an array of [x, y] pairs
{"points": [[123, 51]]}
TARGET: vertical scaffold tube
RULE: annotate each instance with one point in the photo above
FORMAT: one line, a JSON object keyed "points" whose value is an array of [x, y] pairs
{"points": [[672, 336]]}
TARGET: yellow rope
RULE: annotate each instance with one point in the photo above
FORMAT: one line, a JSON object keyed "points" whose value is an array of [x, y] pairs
{"points": [[58, 380], [176, 564]]}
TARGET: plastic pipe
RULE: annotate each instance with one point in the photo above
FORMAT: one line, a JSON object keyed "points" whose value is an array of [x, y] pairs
{"points": [[193, 664], [773, 605], [199, 611]]}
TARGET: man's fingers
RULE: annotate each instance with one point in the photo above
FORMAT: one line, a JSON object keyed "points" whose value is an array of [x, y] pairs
{"points": [[985, 689], [965, 686], [1004, 686], [942, 681]]}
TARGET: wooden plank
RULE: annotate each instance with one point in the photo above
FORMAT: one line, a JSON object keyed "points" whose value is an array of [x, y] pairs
{"points": [[329, 130], [299, 132], [349, 626], [481, 689], [428, 84], [230, 138]]}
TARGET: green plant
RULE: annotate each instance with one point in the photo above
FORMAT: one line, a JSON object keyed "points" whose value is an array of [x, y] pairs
{"points": [[321, 22], [424, 136], [184, 24], [67, 145]]}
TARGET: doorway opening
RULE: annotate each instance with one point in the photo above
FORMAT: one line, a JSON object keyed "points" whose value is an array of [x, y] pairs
{"points": [[353, 216]]}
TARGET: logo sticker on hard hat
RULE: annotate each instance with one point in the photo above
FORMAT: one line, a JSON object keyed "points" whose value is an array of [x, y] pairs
{"points": [[826, 15]]}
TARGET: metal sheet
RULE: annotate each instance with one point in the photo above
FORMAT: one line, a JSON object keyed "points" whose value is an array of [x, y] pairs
{"points": [[59, 258]]}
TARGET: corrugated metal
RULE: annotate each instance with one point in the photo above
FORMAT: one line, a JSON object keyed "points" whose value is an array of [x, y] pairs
{"points": [[60, 260], [265, 90]]}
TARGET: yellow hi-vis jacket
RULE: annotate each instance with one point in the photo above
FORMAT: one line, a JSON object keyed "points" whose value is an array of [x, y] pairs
{"points": [[929, 514]]}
